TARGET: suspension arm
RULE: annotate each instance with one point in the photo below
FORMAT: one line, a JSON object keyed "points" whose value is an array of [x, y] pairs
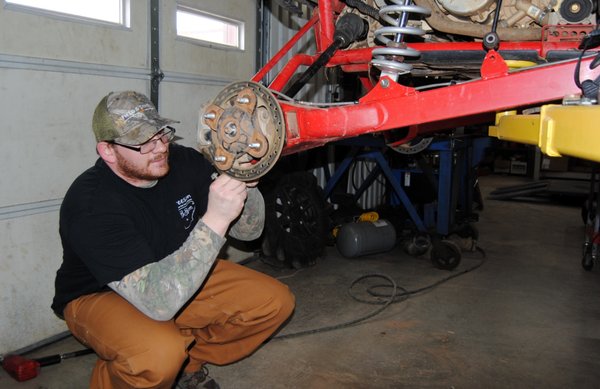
{"points": [[390, 105], [248, 126]]}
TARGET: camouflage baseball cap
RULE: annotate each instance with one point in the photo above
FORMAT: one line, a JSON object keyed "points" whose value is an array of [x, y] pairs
{"points": [[127, 117]]}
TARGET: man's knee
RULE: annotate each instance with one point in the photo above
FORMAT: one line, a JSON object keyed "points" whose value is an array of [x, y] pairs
{"points": [[285, 300], [156, 363]]}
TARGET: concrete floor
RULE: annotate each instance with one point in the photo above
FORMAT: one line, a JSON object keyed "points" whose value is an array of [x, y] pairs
{"points": [[529, 317]]}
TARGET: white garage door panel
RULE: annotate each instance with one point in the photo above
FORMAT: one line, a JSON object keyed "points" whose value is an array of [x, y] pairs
{"points": [[30, 255], [32, 35], [48, 137]]}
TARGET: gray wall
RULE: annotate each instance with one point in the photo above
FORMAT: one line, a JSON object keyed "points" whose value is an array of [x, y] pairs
{"points": [[53, 71]]}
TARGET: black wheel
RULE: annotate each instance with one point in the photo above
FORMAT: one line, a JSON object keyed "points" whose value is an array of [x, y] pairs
{"points": [[417, 245], [296, 225], [445, 255]]}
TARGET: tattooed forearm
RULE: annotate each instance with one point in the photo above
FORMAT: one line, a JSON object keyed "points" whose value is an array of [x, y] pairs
{"points": [[250, 224], [161, 288]]}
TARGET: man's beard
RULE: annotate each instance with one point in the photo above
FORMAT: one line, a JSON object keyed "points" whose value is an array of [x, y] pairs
{"points": [[141, 173]]}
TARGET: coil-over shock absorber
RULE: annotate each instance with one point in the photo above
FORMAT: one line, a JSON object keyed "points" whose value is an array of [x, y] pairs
{"points": [[390, 59]]}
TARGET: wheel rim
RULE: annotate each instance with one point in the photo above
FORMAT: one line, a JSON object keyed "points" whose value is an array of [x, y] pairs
{"points": [[295, 212], [242, 131], [446, 255]]}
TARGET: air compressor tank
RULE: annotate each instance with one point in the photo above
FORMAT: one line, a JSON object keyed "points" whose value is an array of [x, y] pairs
{"points": [[364, 238]]}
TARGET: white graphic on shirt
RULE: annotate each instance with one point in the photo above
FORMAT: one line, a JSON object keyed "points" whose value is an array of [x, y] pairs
{"points": [[187, 207]]}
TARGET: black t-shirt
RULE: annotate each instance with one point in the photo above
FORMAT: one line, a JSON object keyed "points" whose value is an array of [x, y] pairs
{"points": [[110, 228]]}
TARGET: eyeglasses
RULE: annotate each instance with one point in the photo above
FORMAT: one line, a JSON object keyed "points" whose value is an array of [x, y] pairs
{"points": [[165, 136]]}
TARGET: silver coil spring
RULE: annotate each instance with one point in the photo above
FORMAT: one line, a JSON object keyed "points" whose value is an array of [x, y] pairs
{"points": [[386, 58]]}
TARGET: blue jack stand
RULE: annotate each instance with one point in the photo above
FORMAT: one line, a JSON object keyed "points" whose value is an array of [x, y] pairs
{"points": [[453, 181]]}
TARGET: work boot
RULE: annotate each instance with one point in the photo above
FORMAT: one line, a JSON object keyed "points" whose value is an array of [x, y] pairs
{"points": [[196, 380]]}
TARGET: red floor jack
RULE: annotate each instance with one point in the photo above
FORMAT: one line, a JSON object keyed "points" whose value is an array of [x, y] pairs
{"points": [[23, 369]]}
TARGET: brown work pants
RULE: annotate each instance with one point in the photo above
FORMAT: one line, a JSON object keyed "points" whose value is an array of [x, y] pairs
{"points": [[235, 311]]}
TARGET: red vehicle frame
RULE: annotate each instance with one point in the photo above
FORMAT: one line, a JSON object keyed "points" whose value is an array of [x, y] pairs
{"points": [[389, 105]]}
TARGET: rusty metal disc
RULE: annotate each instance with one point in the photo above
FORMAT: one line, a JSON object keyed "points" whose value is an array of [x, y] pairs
{"points": [[243, 130]]}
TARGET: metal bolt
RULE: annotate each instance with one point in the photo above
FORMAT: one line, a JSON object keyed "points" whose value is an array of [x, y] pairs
{"points": [[209, 116], [385, 83], [230, 129], [254, 145], [220, 158], [243, 100]]}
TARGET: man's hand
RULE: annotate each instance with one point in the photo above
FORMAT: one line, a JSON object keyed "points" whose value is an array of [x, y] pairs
{"points": [[226, 199]]}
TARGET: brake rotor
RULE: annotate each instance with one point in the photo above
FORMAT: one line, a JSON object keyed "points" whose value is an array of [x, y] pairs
{"points": [[242, 130], [413, 146]]}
